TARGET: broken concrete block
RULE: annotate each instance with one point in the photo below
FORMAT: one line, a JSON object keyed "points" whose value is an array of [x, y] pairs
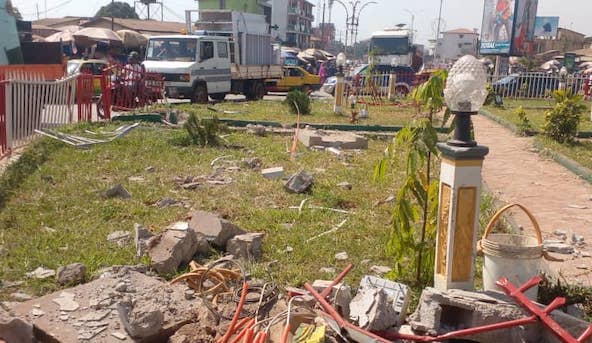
{"points": [[340, 293], [121, 238], [18, 296], [71, 274], [118, 191], [335, 139], [372, 309], [66, 302], [140, 320], [560, 248], [273, 173], [398, 293], [98, 309], [258, 130], [248, 246], [381, 270], [215, 229], [345, 185], [341, 256], [41, 273], [15, 330], [142, 239], [175, 247], [252, 163], [300, 182]]}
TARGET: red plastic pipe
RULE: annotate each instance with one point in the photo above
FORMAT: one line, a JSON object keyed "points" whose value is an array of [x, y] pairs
{"points": [[239, 309]]}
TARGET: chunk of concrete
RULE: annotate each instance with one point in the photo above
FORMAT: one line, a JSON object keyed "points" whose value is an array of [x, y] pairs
{"points": [[118, 191], [140, 320], [252, 162], [398, 294], [343, 140], [142, 239], [273, 173], [560, 248], [299, 182], [71, 274], [372, 310], [345, 185], [41, 273], [175, 247], [18, 296], [340, 293], [215, 229], [248, 246], [15, 330], [121, 238], [98, 309]]}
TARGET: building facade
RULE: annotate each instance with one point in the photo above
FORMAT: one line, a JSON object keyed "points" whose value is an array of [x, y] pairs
{"points": [[291, 22], [565, 41], [249, 6], [325, 36], [454, 44]]}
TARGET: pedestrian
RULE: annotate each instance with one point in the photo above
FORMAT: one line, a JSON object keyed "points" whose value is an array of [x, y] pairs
{"points": [[323, 72]]}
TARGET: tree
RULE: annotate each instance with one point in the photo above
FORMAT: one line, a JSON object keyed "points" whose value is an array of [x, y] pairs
{"points": [[118, 10], [13, 11]]}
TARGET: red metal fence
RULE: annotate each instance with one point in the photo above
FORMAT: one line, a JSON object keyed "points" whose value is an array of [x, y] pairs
{"points": [[4, 148], [125, 88]]}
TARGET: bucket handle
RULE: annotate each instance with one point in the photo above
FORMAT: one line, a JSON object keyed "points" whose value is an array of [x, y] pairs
{"points": [[533, 220]]}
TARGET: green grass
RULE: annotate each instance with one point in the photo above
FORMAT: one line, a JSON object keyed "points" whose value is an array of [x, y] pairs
{"points": [[65, 194], [580, 151], [322, 113], [535, 111]]}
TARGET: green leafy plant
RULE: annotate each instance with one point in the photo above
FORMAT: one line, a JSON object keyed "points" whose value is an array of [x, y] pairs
{"points": [[298, 101], [563, 121], [524, 127], [551, 288], [203, 131], [490, 100], [413, 237]]}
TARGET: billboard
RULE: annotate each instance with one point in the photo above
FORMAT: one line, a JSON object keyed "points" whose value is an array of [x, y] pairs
{"points": [[497, 27], [524, 21], [546, 27]]}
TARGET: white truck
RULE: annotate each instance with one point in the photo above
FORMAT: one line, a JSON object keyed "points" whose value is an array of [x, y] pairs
{"points": [[230, 52]]}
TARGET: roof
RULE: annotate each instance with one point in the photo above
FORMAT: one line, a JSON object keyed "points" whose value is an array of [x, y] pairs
{"points": [[57, 22], [460, 32], [152, 26]]}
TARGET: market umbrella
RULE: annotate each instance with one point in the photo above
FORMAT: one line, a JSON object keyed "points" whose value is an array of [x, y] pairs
{"points": [[312, 54], [92, 35], [37, 38], [132, 39], [62, 36], [550, 65], [588, 71]]}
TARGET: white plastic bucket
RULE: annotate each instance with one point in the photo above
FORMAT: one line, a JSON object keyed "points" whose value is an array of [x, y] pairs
{"points": [[515, 257]]}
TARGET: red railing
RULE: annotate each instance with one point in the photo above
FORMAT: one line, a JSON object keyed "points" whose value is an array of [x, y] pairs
{"points": [[84, 96], [4, 148], [125, 88]]}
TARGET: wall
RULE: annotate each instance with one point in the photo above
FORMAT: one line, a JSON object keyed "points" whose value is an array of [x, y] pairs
{"points": [[279, 17], [452, 46], [250, 6], [566, 40]]}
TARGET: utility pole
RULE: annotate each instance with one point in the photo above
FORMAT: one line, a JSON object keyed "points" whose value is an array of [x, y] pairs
{"points": [[438, 29], [112, 19], [323, 27], [148, 8], [37, 7]]}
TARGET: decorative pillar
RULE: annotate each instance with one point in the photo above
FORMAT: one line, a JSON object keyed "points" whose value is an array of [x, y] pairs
{"points": [[460, 180], [392, 86], [339, 90]]}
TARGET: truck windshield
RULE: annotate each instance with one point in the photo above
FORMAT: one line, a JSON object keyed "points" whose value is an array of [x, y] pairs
{"points": [[390, 45], [172, 49]]}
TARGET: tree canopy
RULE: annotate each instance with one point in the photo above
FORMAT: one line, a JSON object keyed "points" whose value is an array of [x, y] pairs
{"points": [[13, 11], [118, 10]]}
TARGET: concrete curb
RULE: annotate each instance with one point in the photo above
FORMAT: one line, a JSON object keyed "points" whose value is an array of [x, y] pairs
{"points": [[503, 122]]}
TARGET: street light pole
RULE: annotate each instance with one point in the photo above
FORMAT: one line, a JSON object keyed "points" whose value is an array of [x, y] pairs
{"points": [[358, 18], [346, 23], [438, 30], [412, 22]]}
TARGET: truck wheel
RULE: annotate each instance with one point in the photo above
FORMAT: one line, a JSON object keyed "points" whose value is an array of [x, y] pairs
{"points": [[259, 90], [218, 96], [200, 94], [401, 91]]}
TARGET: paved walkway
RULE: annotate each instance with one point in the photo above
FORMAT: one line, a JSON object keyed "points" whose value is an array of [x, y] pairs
{"points": [[516, 173]]}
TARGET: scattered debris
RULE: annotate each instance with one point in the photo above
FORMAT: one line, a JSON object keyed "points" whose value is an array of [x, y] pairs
{"points": [[252, 162], [389, 199], [15, 329], [247, 246], [150, 169], [140, 320], [47, 229], [17, 296], [333, 230], [138, 179], [328, 270], [118, 191], [335, 139], [372, 310], [335, 151], [71, 274], [341, 256], [577, 239], [166, 202], [273, 173], [142, 239], [578, 207], [66, 302], [193, 182], [381, 270], [560, 248], [345, 185], [340, 293], [216, 230], [173, 248], [121, 238], [83, 142], [41, 273], [218, 159], [258, 130], [299, 182]]}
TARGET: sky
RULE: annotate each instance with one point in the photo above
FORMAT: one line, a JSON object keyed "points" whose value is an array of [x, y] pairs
{"points": [[574, 14]]}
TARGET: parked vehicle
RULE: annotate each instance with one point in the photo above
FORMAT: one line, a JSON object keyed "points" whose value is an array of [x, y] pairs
{"points": [[90, 66], [225, 58], [294, 78]]}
